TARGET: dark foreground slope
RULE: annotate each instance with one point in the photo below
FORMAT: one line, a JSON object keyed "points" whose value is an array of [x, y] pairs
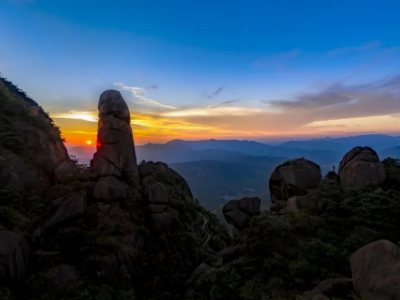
{"points": [[117, 231]]}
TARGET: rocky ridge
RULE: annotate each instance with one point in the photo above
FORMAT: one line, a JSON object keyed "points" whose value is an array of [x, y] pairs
{"points": [[113, 230]]}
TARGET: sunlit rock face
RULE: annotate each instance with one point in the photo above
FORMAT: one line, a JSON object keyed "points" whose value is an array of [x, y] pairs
{"points": [[361, 166], [115, 154]]}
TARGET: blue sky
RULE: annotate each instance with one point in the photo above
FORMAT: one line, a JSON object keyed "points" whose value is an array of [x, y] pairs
{"points": [[225, 68]]}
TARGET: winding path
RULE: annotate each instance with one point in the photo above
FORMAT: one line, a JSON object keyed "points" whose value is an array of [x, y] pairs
{"points": [[208, 234]]}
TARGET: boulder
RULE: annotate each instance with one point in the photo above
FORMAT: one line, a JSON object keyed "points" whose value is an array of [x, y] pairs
{"points": [[250, 205], [334, 288], [110, 188], [63, 170], [361, 166], [331, 175], [111, 214], [320, 297], [161, 221], [294, 178], [300, 203], [231, 253], [58, 279], [239, 212], [115, 154], [199, 275], [376, 271], [14, 254], [67, 208], [156, 193], [148, 172]]}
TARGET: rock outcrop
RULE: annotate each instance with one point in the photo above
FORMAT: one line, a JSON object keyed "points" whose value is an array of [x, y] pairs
{"points": [[160, 215], [34, 146], [331, 288], [110, 188], [333, 176], [67, 208], [68, 232], [361, 166], [299, 203], [292, 180], [239, 212], [376, 271], [14, 254], [149, 171], [115, 154]]}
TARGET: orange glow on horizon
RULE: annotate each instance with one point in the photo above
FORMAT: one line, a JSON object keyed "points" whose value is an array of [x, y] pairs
{"points": [[149, 128]]}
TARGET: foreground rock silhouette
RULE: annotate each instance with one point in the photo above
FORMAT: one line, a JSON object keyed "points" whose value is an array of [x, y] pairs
{"points": [[115, 146]]}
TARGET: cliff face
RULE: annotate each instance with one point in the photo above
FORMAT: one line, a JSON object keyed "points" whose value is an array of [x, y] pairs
{"points": [[30, 144], [100, 233]]}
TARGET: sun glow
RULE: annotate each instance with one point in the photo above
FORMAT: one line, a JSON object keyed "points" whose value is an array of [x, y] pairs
{"points": [[89, 142]]}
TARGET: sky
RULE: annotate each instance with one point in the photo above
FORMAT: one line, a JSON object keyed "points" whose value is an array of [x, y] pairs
{"points": [[256, 70]]}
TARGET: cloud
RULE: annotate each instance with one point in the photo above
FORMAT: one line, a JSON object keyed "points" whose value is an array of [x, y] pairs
{"points": [[339, 109], [223, 103], [278, 60], [89, 116], [213, 111], [355, 49], [140, 98], [322, 99], [151, 87], [214, 94], [339, 101], [390, 82]]}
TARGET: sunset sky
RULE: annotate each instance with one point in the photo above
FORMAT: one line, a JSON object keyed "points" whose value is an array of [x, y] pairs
{"points": [[258, 70]]}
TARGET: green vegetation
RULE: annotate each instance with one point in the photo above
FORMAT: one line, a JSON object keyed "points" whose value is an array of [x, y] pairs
{"points": [[289, 254]]}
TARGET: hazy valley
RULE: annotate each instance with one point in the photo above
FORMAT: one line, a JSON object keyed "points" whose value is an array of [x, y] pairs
{"points": [[222, 170]]}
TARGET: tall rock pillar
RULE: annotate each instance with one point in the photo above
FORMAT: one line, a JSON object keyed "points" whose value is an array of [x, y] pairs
{"points": [[115, 154]]}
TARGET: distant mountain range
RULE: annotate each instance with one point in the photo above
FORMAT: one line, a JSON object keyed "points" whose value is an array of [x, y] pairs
{"points": [[218, 170], [378, 142]]}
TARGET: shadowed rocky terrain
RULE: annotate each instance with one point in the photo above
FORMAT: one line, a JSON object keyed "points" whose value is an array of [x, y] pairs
{"points": [[123, 230]]}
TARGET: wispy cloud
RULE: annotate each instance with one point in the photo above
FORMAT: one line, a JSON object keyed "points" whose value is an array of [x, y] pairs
{"points": [[214, 94], [89, 116], [223, 103], [355, 49], [140, 98], [213, 111], [340, 101]]}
